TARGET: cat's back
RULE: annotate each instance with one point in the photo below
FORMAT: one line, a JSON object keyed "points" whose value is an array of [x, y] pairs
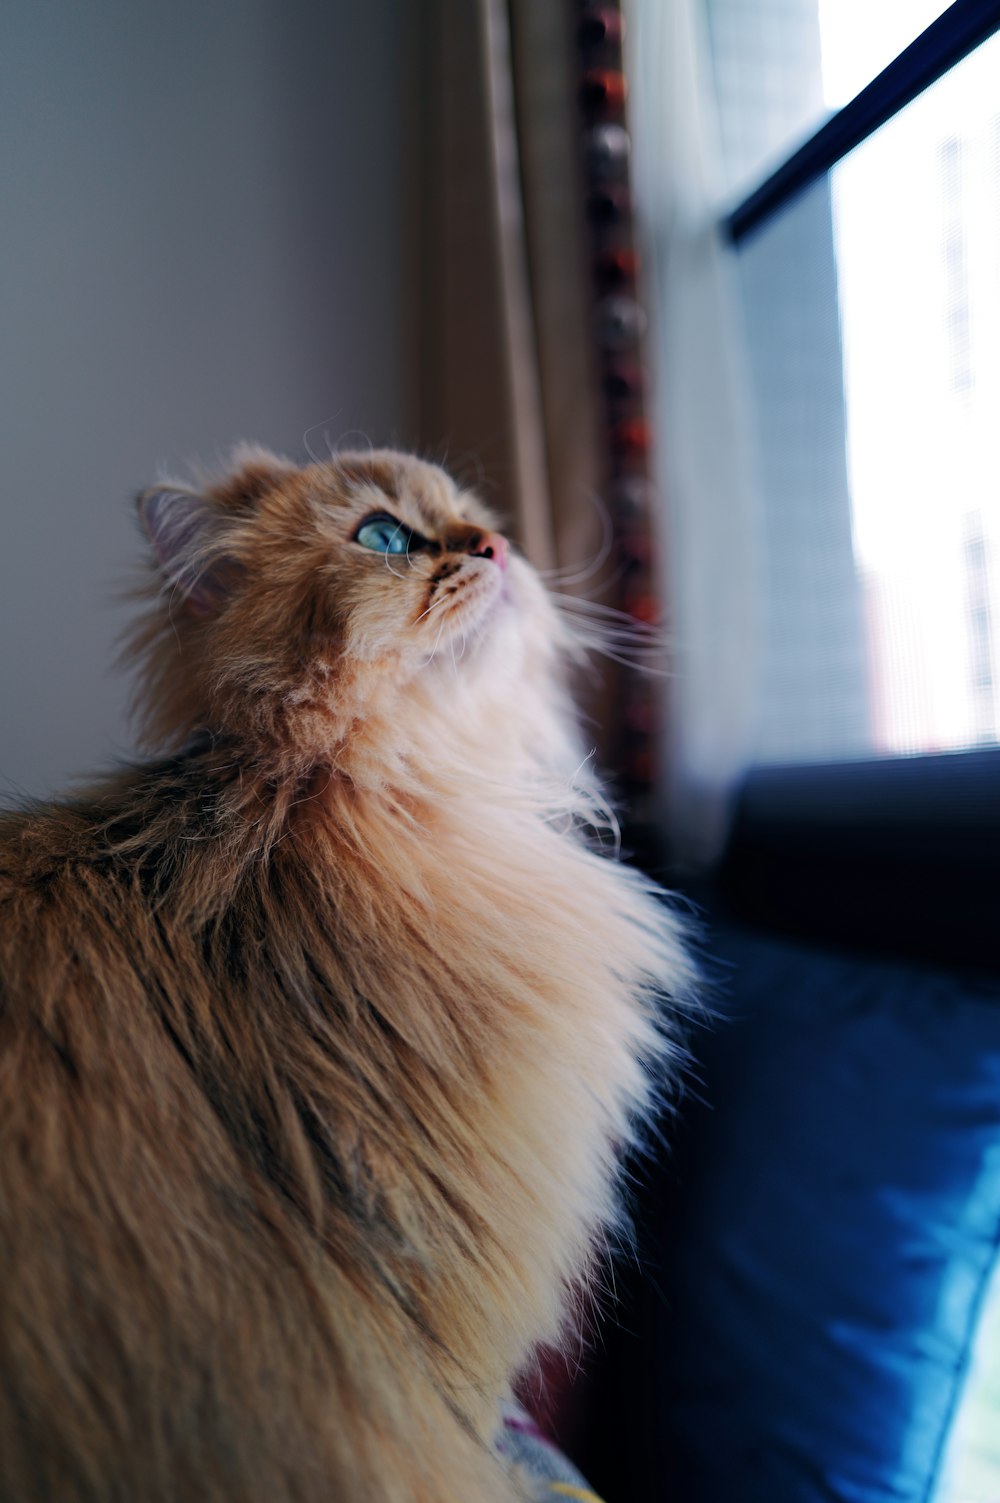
{"points": [[185, 1312], [127, 1227], [103, 831], [102, 861], [57, 886], [85, 1067]]}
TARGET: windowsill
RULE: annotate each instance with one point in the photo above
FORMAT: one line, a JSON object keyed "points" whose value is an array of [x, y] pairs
{"points": [[900, 856]]}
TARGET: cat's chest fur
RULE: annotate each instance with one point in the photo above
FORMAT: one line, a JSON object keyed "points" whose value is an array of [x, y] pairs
{"points": [[441, 1013], [487, 983]]}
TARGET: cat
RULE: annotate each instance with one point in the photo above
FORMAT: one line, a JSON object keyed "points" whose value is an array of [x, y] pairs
{"points": [[323, 1030]]}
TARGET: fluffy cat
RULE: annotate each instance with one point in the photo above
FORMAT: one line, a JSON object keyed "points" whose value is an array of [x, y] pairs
{"points": [[320, 1034]]}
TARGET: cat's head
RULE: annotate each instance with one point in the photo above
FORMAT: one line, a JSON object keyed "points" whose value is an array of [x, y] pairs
{"points": [[301, 602]]}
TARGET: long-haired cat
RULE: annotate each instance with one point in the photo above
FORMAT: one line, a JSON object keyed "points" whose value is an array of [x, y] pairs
{"points": [[321, 1034]]}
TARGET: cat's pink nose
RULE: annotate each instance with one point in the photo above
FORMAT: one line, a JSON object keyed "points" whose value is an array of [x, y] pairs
{"points": [[491, 545]]}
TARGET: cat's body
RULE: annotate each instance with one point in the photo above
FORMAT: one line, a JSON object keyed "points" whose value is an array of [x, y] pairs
{"points": [[320, 1036]]}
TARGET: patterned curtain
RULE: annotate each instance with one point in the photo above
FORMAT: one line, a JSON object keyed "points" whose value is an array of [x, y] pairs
{"points": [[531, 373]]}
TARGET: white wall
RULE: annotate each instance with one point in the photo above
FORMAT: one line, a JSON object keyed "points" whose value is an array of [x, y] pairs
{"points": [[207, 236]]}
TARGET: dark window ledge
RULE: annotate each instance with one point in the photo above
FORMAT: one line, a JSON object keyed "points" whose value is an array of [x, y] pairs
{"points": [[900, 856]]}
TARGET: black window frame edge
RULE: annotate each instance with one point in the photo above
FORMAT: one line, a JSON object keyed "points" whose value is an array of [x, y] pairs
{"points": [[899, 855], [959, 30]]}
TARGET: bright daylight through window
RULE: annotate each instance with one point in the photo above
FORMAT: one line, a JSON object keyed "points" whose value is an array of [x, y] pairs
{"points": [[871, 309], [916, 213]]}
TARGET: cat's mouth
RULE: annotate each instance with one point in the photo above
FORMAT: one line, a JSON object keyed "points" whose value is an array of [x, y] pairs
{"points": [[461, 601]]}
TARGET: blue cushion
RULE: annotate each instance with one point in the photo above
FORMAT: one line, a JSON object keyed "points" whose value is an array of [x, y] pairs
{"points": [[838, 1227]]}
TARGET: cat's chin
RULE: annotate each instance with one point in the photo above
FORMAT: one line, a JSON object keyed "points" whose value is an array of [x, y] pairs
{"points": [[486, 609]]}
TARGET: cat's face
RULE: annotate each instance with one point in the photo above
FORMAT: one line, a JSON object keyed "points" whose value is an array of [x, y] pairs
{"points": [[415, 567], [283, 578]]}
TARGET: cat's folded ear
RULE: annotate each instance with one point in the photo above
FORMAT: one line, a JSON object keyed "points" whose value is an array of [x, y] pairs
{"points": [[186, 530], [188, 527]]}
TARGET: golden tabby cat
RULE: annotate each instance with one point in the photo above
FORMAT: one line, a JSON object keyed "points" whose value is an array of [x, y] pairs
{"points": [[320, 1034]]}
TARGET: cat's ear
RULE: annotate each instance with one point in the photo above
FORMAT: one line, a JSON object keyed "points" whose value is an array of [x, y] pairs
{"points": [[186, 531]]}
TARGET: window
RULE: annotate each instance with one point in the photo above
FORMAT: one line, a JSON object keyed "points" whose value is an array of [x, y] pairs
{"points": [[869, 262]]}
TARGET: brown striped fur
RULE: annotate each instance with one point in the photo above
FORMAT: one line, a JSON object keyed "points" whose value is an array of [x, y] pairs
{"points": [[320, 1033]]}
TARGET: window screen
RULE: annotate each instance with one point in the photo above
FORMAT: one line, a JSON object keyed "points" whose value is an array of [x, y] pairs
{"points": [[871, 309]]}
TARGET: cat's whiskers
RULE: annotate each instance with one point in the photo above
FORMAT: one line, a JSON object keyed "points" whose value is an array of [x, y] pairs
{"points": [[582, 588], [579, 573], [614, 634], [437, 640], [325, 426], [433, 606], [640, 650], [620, 631], [394, 534], [631, 663], [598, 609], [175, 594]]}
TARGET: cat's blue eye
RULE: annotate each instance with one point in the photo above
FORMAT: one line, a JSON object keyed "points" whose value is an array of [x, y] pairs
{"points": [[383, 535]]}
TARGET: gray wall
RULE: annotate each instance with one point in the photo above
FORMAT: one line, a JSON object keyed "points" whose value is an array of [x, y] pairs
{"points": [[208, 233]]}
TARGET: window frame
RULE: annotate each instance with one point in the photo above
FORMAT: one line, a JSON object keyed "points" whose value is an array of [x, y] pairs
{"points": [[898, 854], [957, 31]]}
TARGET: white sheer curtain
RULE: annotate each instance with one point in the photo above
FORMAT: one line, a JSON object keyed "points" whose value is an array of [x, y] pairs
{"points": [[709, 544]]}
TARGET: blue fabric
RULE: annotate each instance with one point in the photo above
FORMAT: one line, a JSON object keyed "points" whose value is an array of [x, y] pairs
{"points": [[839, 1221]]}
